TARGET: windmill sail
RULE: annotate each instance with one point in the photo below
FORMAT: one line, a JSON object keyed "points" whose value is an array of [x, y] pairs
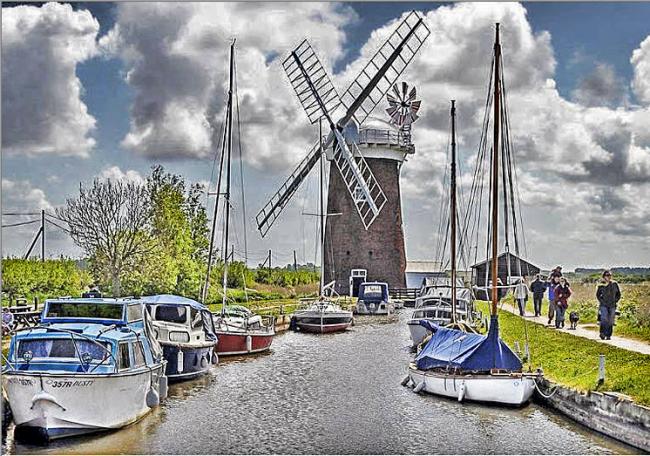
{"points": [[381, 72], [311, 82], [271, 211]]}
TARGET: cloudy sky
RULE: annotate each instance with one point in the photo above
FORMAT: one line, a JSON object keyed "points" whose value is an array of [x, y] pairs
{"points": [[106, 90]]}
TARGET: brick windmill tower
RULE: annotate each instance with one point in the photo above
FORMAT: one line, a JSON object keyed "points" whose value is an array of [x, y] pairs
{"points": [[355, 190], [354, 254]]}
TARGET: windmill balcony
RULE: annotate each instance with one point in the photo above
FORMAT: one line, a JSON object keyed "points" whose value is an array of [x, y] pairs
{"points": [[385, 137]]}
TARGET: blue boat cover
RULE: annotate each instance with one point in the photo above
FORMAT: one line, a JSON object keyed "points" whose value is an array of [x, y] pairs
{"points": [[368, 291], [469, 352], [171, 300]]}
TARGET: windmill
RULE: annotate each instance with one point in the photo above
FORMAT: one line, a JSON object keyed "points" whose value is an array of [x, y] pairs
{"points": [[319, 99]]}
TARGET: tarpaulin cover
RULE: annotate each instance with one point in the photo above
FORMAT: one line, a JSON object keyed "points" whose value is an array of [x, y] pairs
{"points": [[468, 352]]}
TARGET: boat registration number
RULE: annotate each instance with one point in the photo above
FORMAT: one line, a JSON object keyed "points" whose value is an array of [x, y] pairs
{"points": [[69, 383]]}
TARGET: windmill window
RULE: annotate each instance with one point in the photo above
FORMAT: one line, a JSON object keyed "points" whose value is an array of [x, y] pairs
{"points": [[370, 252], [347, 252]]}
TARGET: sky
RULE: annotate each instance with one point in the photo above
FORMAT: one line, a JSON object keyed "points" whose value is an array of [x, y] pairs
{"points": [[106, 90]]}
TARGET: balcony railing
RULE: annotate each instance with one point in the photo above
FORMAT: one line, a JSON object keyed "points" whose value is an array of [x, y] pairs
{"points": [[387, 137]]}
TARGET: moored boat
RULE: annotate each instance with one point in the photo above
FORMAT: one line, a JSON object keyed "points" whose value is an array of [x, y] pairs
{"points": [[373, 299], [471, 367], [90, 366], [185, 330], [322, 316], [241, 332]]}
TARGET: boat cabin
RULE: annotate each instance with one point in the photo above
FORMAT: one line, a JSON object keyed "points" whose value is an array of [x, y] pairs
{"points": [[85, 336], [179, 320], [374, 292]]}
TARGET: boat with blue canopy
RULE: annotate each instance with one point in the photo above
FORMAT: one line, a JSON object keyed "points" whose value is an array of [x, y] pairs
{"points": [[456, 361], [185, 330], [90, 365]]}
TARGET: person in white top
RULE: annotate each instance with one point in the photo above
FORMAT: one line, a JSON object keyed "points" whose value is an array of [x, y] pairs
{"points": [[521, 295]]}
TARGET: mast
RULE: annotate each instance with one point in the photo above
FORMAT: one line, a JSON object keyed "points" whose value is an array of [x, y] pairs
{"points": [[227, 193], [495, 176], [204, 292], [322, 213], [452, 211]]}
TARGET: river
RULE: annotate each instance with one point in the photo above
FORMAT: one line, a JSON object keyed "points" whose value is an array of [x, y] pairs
{"points": [[337, 393]]}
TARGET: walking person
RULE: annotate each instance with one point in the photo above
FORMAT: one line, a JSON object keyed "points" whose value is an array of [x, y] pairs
{"points": [[608, 295], [521, 295], [562, 293], [538, 287], [551, 284]]}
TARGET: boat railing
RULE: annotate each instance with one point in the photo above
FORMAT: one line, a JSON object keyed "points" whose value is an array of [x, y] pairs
{"points": [[74, 334]]}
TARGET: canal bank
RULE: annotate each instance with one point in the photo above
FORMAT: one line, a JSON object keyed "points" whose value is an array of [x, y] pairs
{"points": [[337, 393]]}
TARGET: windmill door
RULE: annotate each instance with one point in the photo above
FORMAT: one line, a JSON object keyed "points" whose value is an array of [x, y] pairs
{"points": [[357, 277]]}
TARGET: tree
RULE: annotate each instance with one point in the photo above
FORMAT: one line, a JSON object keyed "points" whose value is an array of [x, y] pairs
{"points": [[110, 223]]}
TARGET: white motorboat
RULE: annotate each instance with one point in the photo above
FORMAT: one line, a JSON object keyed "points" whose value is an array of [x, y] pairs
{"points": [[90, 366], [322, 316], [373, 299]]}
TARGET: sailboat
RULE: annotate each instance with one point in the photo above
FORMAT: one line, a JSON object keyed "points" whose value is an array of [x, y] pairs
{"points": [[458, 364], [239, 331], [445, 301], [322, 315]]}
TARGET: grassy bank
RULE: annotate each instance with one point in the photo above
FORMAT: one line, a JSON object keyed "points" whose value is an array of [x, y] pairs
{"points": [[634, 308], [573, 361]]}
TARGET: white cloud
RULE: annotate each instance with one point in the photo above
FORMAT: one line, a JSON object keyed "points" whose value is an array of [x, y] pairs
{"points": [[115, 173], [42, 109], [641, 62], [20, 195], [177, 64]]}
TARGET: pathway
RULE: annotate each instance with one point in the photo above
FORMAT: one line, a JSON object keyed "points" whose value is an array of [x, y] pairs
{"points": [[584, 331]]}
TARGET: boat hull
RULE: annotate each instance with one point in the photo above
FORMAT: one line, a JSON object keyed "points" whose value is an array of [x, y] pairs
{"points": [[54, 405], [505, 389], [381, 308], [418, 332], [243, 342], [185, 363], [315, 323]]}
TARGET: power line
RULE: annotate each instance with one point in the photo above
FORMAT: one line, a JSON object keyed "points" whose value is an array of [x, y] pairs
{"points": [[20, 223]]}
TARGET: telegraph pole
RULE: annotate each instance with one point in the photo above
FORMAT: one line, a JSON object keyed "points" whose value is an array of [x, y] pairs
{"points": [[42, 234], [295, 263]]}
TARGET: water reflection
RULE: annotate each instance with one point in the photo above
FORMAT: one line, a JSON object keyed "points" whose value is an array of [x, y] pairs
{"points": [[336, 393]]}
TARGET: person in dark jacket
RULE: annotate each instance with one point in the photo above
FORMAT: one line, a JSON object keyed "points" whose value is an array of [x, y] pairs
{"points": [[608, 295], [551, 284], [538, 287], [562, 292]]}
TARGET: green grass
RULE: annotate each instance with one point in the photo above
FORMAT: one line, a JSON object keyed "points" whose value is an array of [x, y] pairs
{"points": [[573, 361]]}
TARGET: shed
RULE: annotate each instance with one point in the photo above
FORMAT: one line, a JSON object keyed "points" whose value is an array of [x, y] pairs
{"points": [[510, 268], [417, 271]]}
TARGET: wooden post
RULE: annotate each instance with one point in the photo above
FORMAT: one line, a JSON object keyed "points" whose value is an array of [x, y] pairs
{"points": [[42, 234], [270, 259], [295, 263], [601, 368]]}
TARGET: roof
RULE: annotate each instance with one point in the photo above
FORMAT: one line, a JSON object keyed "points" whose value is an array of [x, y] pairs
{"points": [[501, 256], [95, 330], [423, 266], [173, 300]]}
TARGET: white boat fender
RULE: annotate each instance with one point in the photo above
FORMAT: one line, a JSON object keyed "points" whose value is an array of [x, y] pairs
{"points": [[163, 387], [419, 387], [215, 357], [153, 399], [249, 343], [406, 380], [461, 392], [204, 361]]}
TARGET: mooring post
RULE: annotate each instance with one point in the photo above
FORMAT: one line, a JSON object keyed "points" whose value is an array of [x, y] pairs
{"points": [[601, 368]]}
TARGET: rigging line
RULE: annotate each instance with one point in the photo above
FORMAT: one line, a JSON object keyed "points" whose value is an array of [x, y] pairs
{"points": [[10, 225], [241, 168]]}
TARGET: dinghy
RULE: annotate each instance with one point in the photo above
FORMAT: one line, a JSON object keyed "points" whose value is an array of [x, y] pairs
{"points": [[91, 365], [185, 330]]}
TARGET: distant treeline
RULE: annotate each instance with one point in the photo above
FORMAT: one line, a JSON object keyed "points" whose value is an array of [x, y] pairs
{"points": [[617, 270], [66, 277]]}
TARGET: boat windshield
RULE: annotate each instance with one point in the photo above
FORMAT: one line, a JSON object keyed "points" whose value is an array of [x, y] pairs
{"points": [[171, 314], [372, 291], [63, 348], [104, 311]]}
